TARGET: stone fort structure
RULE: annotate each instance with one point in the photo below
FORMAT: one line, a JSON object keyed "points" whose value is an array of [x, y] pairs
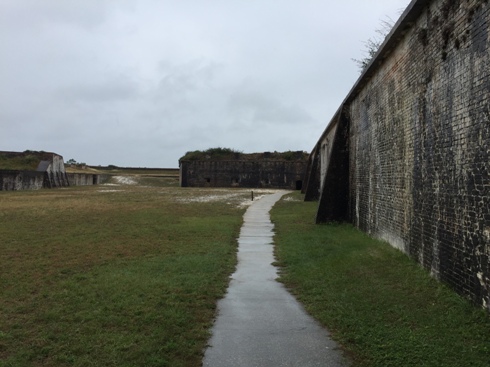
{"points": [[35, 170], [406, 158], [225, 168]]}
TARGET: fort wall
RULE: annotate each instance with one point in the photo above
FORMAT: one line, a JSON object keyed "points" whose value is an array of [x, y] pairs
{"points": [[50, 172], [243, 173], [21, 180], [417, 143], [85, 179]]}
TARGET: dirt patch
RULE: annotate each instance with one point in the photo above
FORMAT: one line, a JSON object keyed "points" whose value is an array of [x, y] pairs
{"points": [[125, 180], [239, 197]]}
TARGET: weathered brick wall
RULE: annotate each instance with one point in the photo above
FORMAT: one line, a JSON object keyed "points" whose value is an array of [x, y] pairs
{"points": [[265, 173], [419, 145], [318, 163]]}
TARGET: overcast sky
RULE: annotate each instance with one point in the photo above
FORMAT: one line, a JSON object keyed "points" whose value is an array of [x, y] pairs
{"points": [[139, 83]]}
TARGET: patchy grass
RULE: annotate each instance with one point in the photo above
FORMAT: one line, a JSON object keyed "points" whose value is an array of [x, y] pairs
{"points": [[112, 275], [381, 306]]}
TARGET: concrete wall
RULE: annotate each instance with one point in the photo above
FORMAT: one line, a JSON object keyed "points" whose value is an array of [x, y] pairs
{"points": [[21, 180], [418, 144], [50, 173], [35, 180], [240, 173], [84, 179], [55, 172]]}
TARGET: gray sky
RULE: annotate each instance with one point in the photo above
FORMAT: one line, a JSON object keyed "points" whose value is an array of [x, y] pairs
{"points": [[139, 83]]}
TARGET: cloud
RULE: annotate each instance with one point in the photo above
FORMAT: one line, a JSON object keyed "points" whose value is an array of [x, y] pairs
{"points": [[140, 83], [251, 108], [44, 14], [110, 89]]}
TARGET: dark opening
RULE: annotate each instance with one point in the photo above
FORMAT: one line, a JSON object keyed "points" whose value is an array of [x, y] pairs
{"points": [[94, 180], [208, 180], [299, 185]]}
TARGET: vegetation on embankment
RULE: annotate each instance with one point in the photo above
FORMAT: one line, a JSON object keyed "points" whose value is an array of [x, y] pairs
{"points": [[24, 161], [113, 275], [228, 154], [381, 306]]}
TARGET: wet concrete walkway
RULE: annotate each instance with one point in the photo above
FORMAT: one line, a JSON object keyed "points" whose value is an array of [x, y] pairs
{"points": [[259, 323]]}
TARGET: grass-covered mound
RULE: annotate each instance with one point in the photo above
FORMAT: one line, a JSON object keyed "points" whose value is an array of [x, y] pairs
{"points": [[22, 161]]}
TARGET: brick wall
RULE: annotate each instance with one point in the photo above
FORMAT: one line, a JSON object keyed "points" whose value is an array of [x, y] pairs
{"points": [[265, 173], [419, 143]]}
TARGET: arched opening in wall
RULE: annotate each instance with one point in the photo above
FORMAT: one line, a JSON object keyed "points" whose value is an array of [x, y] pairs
{"points": [[208, 180], [299, 185]]}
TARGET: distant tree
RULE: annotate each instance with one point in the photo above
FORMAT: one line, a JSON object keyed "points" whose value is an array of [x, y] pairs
{"points": [[71, 161], [372, 45]]}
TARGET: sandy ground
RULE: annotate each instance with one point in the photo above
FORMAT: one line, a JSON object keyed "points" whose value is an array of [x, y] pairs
{"points": [[241, 197]]}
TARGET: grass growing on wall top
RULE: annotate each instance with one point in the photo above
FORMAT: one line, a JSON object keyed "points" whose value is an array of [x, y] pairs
{"points": [[223, 154], [122, 275], [212, 153], [379, 304], [27, 161]]}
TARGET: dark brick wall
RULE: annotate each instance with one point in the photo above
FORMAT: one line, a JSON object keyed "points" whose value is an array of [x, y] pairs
{"points": [[412, 145], [265, 173], [420, 146]]}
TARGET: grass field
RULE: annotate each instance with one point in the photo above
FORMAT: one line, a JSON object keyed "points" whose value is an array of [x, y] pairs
{"points": [[379, 304], [113, 275], [128, 274]]}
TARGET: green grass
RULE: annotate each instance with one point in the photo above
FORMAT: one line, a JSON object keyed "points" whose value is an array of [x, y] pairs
{"points": [[381, 306], [112, 275], [28, 162]]}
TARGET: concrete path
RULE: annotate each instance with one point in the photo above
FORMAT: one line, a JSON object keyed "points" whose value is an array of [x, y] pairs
{"points": [[259, 323]]}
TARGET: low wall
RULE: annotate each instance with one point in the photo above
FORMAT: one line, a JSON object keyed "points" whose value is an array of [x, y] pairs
{"points": [[82, 179], [34, 180], [21, 180]]}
